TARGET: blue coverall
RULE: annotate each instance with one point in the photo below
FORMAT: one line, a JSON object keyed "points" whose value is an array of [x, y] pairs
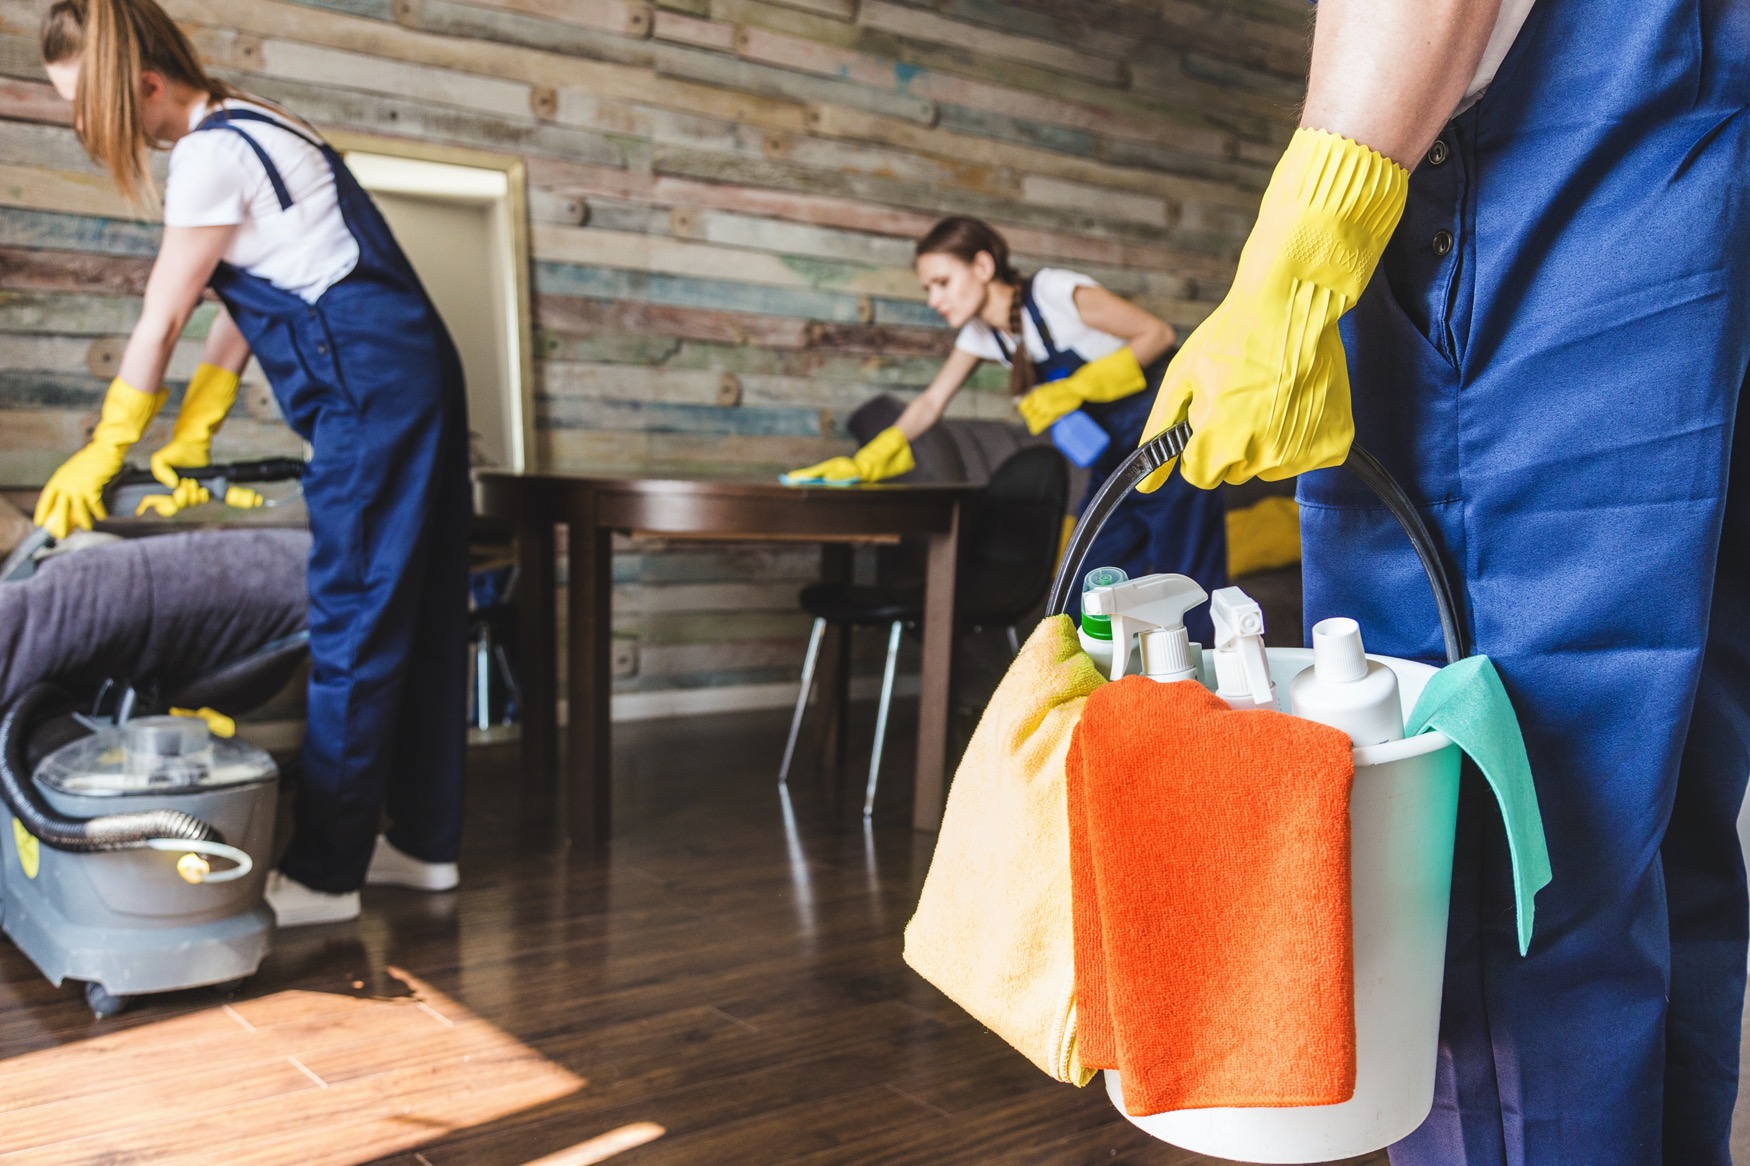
{"points": [[1551, 357], [369, 376]]}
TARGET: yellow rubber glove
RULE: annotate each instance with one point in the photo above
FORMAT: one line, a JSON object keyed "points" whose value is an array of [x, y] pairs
{"points": [[72, 499], [1264, 381], [1111, 378], [887, 456], [211, 393]]}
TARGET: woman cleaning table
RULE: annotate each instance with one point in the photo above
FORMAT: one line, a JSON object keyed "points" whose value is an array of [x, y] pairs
{"points": [[1071, 346]]}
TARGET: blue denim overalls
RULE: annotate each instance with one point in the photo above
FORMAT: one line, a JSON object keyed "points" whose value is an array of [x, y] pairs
{"points": [[369, 377], [1550, 358]]}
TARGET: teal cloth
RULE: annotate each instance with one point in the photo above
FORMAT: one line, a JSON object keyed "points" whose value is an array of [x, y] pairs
{"points": [[1468, 702], [796, 480]]}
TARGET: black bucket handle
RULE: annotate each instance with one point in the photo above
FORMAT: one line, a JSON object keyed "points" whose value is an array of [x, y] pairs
{"points": [[1154, 454]]}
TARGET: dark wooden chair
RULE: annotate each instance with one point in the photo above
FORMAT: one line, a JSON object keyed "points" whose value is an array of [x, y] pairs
{"points": [[1008, 550]]}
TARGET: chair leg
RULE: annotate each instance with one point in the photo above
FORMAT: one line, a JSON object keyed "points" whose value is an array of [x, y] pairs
{"points": [[808, 663], [1014, 641], [483, 679], [881, 716], [511, 686]]}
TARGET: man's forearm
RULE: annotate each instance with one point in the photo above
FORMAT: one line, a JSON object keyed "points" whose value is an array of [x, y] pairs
{"points": [[1390, 73]]}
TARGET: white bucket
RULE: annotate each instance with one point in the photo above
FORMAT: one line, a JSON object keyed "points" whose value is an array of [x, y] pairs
{"points": [[1402, 815]]}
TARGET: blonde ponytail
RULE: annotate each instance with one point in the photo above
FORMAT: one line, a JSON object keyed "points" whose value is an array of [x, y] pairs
{"points": [[115, 43]]}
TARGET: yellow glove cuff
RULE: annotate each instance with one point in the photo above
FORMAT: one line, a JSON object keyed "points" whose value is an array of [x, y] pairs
{"points": [[211, 393], [1328, 213], [887, 456], [127, 412], [1111, 378]]}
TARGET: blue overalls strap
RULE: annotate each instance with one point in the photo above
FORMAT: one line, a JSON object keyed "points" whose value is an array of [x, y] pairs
{"points": [[1039, 324], [224, 119]]}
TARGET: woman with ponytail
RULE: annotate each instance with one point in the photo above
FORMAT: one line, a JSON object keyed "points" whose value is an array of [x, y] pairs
{"points": [[264, 212], [1079, 360]]}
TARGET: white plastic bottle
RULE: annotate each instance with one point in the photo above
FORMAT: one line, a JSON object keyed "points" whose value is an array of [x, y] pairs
{"points": [[1346, 690], [1095, 631], [1242, 664], [1150, 610]]}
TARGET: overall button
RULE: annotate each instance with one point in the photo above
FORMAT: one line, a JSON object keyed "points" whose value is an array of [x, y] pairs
{"points": [[1442, 242], [323, 347], [1438, 152]]}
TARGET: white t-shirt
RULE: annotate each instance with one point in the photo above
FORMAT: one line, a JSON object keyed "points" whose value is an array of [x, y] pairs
{"points": [[1507, 25], [216, 179], [1054, 290]]}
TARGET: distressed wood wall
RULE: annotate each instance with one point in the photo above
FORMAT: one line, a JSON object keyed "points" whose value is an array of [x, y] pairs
{"points": [[723, 196]]}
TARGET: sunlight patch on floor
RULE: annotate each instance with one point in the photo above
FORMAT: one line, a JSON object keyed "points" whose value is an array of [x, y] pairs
{"points": [[600, 1149], [310, 1077]]}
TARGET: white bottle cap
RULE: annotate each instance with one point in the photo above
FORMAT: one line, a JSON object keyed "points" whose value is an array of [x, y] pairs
{"points": [[1167, 655], [1338, 656]]}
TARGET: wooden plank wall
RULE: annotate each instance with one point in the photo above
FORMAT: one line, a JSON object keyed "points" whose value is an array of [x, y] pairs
{"points": [[723, 196]]}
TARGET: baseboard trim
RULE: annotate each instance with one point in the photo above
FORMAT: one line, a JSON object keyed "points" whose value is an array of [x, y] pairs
{"points": [[283, 736]]}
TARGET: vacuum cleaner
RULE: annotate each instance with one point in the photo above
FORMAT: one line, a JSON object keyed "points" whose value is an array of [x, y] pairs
{"points": [[137, 852], [137, 844]]}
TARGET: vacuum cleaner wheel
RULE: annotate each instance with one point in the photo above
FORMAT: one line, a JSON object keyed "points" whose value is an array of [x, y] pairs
{"points": [[102, 1004]]}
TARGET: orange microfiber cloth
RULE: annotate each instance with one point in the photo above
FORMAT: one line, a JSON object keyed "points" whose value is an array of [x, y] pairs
{"points": [[1209, 862]]}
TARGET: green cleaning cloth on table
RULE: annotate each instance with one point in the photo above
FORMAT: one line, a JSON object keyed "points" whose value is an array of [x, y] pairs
{"points": [[1468, 702], [799, 480]]}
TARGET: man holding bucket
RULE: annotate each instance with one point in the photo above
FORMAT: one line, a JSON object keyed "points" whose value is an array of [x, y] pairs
{"points": [[1534, 221]]}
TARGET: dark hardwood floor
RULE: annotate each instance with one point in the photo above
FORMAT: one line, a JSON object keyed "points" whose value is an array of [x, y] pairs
{"points": [[722, 986]]}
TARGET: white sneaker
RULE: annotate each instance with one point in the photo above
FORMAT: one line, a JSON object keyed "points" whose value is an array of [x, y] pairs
{"points": [[295, 905], [393, 867]]}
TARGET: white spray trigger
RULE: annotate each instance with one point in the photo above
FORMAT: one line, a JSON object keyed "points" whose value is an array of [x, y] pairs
{"points": [[1241, 667], [1151, 603]]}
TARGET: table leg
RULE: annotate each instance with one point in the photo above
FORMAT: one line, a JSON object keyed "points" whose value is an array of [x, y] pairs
{"points": [[836, 566], [935, 700], [540, 681], [587, 803]]}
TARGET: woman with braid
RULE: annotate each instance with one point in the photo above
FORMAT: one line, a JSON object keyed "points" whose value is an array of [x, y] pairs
{"points": [[1071, 346]]}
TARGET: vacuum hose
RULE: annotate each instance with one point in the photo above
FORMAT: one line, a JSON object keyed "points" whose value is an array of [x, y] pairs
{"points": [[79, 835], [1152, 455]]}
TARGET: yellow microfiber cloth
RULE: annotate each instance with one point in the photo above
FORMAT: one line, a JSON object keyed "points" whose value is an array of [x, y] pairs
{"points": [[994, 928]]}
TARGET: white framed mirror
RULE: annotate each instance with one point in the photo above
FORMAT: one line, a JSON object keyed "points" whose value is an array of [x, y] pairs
{"points": [[462, 218]]}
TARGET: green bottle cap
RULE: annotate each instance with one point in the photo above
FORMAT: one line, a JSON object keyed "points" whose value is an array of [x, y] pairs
{"points": [[1099, 627]]}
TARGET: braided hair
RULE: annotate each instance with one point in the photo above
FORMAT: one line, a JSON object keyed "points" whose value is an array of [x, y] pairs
{"points": [[966, 239]]}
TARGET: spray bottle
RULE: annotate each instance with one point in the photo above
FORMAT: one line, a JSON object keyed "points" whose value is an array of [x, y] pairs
{"points": [[1152, 609], [1346, 690], [1242, 670], [1096, 630]]}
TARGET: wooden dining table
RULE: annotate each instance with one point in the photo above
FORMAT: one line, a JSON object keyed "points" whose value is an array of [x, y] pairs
{"points": [[575, 804]]}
